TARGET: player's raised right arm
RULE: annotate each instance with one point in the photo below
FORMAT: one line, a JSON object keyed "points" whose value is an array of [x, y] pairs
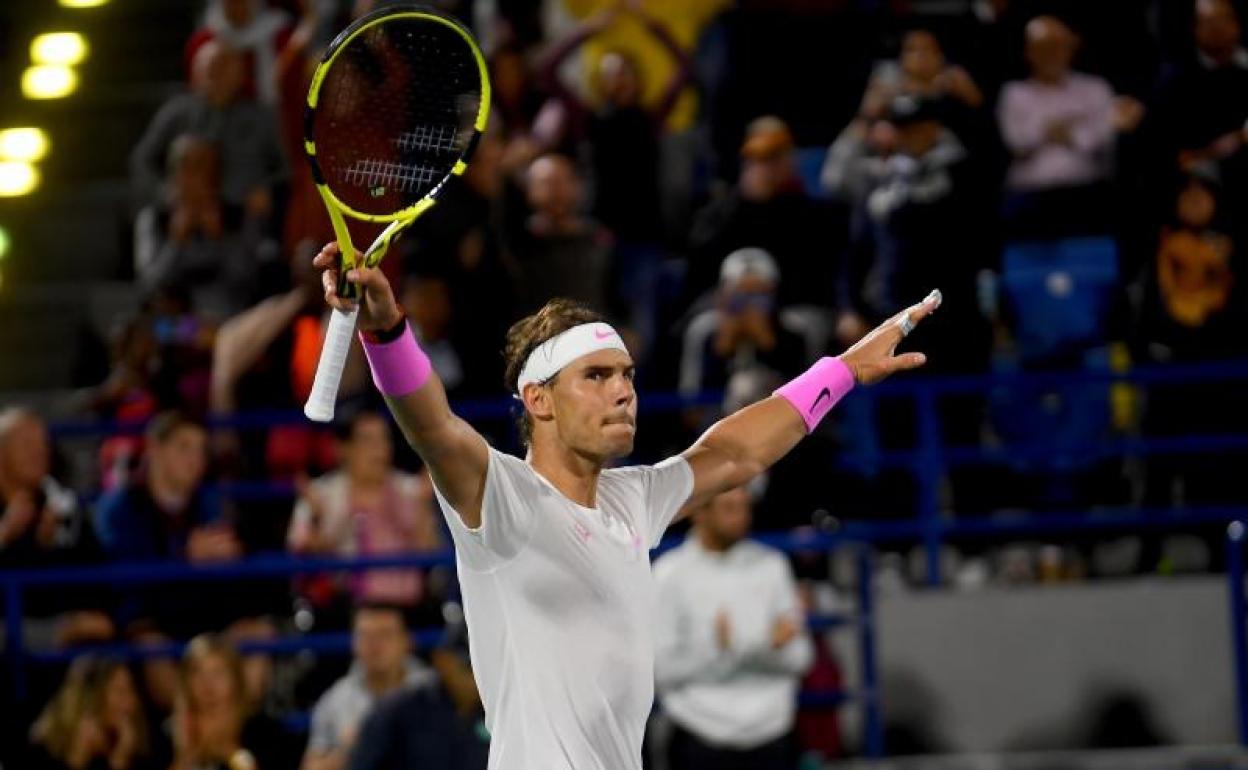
{"points": [[456, 455]]}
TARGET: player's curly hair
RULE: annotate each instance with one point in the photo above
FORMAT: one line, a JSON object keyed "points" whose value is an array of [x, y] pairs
{"points": [[556, 317]]}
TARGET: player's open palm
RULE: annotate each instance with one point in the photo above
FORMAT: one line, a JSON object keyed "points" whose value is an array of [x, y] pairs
{"points": [[874, 357], [379, 310]]}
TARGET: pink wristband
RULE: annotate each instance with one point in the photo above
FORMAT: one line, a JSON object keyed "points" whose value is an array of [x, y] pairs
{"points": [[400, 366], [814, 392]]}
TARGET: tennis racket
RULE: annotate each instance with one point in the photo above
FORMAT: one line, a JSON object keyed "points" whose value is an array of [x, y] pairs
{"points": [[395, 109]]}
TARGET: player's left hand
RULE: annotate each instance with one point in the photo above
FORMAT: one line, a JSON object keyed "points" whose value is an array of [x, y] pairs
{"points": [[872, 358]]}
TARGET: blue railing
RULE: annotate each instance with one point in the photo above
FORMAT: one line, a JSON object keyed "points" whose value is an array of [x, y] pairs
{"points": [[928, 461], [119, 575], [1236, 536]]}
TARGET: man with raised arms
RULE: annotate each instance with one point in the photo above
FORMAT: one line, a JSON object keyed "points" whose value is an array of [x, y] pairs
{"points": [[553, 550]]}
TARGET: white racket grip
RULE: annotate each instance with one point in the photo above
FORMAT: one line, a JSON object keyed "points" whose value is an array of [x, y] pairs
{"points": [[338, 336]]}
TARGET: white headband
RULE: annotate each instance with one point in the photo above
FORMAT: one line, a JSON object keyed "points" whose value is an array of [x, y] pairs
{"points": [[549, 358]]}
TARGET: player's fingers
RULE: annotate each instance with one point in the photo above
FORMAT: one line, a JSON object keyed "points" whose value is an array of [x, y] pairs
{"points": [[905, 321], [367, 277], [907, 361], [329, 282], [328, 256]]}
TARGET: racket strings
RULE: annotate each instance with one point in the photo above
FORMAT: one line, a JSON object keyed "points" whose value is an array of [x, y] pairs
{"points": [[401, 100]]}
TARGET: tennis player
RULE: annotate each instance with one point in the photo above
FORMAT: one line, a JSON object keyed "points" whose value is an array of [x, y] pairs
{"points": [[553, 550]]}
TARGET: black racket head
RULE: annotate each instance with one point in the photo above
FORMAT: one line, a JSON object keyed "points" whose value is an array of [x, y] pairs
{"points": [[396, 107]]}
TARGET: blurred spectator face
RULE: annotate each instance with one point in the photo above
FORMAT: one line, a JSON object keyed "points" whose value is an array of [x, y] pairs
{"points": [[217, 73], [1050, 48], [749, 293], [181, 460], [430, 300], [25, 450], [1217, 30], [379, 641], [726, 519], [768, 162], [1196, 205], [747, 281], [369, 450], [211, 683], [552, 187], [921, 57], [509, 76], [238, 13], [120, 702], [618, 79]]}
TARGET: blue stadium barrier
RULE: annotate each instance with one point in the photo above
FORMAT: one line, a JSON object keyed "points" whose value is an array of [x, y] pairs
{"points": [[1236, 536]]}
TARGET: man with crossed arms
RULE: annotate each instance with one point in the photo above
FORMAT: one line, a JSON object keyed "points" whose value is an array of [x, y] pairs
{"points": [[553, 550]]}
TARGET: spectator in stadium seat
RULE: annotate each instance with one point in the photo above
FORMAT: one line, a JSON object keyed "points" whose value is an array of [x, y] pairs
{"points": [[622, 135], [922, 71], [560, 251], [166, 512], [258, 31], [214, 724], [251, 160], [42, 525], [383, 664], [1192, 309], [195, 243], [770, 210], [744, 331], [367, 508], [731, 644], [463, 239], [916, 200], [95, 721], [1200, 111], [1059, 128]]}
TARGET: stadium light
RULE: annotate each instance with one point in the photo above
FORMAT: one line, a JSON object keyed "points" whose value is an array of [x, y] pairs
{"points": [[64, 48], [82, 3], [17, 178], [26, 144], [48, 81], [4, 243]]}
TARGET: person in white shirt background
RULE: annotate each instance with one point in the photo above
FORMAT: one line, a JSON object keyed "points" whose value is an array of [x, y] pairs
{"points": [[552, 551], [731, 646], [383, 663]]}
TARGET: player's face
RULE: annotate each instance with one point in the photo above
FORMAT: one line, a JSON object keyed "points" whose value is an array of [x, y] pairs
{"points": [[595, 405]]}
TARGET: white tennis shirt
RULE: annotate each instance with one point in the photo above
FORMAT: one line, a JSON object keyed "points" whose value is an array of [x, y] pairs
{"points": [[560, 606]]}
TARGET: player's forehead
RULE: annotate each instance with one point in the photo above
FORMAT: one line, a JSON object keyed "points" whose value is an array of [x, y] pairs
{"points": [[602, 359]]}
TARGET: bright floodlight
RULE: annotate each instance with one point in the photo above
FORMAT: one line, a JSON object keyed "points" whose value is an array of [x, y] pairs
{"points": [[82, 3], [17, 178], [28, 144], [48, 81], [64, 48]]}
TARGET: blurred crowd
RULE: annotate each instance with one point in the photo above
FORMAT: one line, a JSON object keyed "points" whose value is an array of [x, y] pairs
{"points": [[740, 199]]}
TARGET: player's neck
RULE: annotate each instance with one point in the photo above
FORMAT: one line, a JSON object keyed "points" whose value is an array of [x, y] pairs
{"points": [[574, 475]]}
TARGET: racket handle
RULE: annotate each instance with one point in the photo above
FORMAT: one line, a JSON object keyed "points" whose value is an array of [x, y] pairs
{"points": [[338, 336]]}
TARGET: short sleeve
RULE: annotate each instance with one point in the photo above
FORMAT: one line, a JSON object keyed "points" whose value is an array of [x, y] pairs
{"points": [[506, 515], [664, 489]]}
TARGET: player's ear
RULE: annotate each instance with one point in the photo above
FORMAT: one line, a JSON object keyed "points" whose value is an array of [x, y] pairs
{"points": [[538, 401]]}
